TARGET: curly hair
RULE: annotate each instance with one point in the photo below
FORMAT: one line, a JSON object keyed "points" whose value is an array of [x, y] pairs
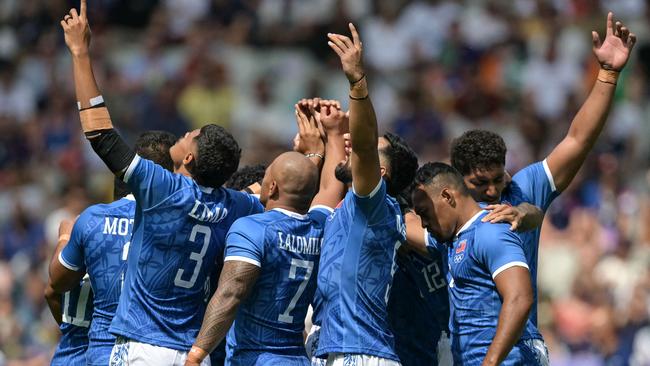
{"points": [[246, 176], [217, 156], [477, 149], [403, 164]]}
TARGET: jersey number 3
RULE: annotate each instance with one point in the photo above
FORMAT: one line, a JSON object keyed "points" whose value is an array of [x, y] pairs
{"points": [[198, 257]]}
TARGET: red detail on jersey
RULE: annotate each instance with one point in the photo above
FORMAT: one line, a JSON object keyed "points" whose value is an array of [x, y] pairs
{"points": [[461, 246], [339, 205]]}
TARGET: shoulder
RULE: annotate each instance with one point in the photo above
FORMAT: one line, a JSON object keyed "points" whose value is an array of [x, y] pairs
{"points": [[252, 222], [487, 234]]}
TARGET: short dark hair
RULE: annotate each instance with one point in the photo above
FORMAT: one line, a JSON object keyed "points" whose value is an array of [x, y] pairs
{"points": [[440, 173], [151, 145], [403, 164], [217, 157], [246, 176], [477, 149], [154, 146]]}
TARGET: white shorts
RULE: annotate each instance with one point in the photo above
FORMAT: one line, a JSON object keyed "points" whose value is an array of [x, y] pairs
{"points": [[132, 353], [445, 357], [346, 359]]}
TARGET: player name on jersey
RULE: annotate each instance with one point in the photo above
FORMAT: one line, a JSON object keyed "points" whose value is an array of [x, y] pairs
{"points": [[208, 212], [117, 226], [299, 244]]}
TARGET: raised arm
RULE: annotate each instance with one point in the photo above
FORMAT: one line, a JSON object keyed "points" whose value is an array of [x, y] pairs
{"points": [[612, 54], [235, 283], [95, 119], [363, 123], [335, 124], [513, 284]]}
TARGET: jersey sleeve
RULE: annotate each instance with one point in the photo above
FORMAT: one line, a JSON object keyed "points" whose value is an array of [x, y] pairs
{"points": [[372, 205], [498, 248], [150, 182], [320, 213], [245, 242], [72, 255], [536, 184]]}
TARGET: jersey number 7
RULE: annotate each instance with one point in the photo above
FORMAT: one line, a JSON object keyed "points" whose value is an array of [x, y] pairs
{"points": [[296, 263]]}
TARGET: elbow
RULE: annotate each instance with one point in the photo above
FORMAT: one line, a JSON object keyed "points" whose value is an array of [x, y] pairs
{"points": [[49, 292]]}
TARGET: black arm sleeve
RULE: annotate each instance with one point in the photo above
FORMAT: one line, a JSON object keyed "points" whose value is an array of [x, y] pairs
{"points": [[112, 149]]}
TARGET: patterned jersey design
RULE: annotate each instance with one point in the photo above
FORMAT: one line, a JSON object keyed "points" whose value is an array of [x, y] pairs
{"points": [[286, 246], [99, 245], [175, 254], [478, 254], [356, 272]]}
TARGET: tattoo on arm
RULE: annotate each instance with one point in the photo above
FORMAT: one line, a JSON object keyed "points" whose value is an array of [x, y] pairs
{"points": [[235, 283]]}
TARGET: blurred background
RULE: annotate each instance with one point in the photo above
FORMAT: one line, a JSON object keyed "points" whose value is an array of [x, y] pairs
{"points": [[437, 68]]}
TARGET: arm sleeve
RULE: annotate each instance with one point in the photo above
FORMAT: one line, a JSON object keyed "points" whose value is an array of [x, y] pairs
{"points": [[372, 205], [112, 149], [151, 183], [536, 184], [245, 242], [72, 255], [498, 249]]}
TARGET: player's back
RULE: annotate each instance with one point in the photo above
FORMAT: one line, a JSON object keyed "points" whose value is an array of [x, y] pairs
{"points": [[101, 250], [479, 253], [269, 323], [76, 310], [418, 308], [356, 271], [175, 254]]}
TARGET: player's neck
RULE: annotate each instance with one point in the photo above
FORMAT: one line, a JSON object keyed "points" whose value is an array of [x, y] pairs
{"points": [[279, 204], [467, 208], [182, 171]]}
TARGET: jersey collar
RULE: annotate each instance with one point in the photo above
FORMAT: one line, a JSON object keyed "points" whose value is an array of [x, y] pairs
{"points": [[469, 222], [295, 215]]}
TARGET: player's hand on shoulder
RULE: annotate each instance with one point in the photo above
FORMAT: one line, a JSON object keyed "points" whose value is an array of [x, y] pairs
{"points": [[77, 30], [504, 213], [350, 52], [614, 51]]}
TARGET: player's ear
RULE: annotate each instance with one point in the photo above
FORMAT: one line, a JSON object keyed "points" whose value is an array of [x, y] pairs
{"points": [[273, 190], [382, 170], [188, 159], [448, 197]]}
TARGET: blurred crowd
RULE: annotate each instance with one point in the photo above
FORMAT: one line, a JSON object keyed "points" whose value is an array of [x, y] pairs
{"points": [[437, 68]]}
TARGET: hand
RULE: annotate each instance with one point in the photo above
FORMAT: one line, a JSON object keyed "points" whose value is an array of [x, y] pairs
{"points": [[309, 140], [77, 31], [332, 118], [195, 356], [65, 228], [613, 53], [349, 52], [504, 213]]}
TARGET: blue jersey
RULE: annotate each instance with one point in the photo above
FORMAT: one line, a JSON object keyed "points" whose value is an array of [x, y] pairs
{"points": [[418, 309], [175, 254], [479, 253], [534, 185], [286, 247], [99, 245], [356, 271], [76, 309]]}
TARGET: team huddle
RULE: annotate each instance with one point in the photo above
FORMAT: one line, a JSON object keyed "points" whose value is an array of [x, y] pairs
{"points": [[343, 251]]}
